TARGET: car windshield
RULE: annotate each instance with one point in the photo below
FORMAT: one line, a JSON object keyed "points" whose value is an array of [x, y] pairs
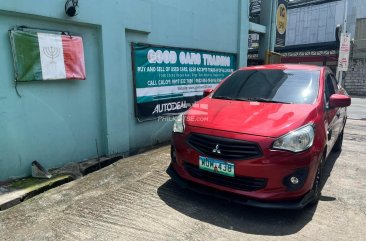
{"points": [[274, 85]]}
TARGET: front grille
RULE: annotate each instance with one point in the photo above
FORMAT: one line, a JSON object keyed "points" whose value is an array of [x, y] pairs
{"points": [[229, 149], [239, 183]]}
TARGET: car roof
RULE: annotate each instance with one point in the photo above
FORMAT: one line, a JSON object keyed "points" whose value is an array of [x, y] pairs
{"points": [[284, 66]]}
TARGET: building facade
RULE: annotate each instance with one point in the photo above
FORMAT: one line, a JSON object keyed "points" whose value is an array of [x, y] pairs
{"points": [[311, 37], [57, 122]]}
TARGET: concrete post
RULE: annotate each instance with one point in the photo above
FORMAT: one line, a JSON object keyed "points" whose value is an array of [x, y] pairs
{"points": [[344, 30], [243, 33], [268, 19]]}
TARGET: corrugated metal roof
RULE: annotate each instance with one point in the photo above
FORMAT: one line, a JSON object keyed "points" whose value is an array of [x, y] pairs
{"points": [[360, 28], [302, 3]]}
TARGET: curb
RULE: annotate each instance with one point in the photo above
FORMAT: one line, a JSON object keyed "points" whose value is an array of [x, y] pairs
{"points": [[14, 197]]}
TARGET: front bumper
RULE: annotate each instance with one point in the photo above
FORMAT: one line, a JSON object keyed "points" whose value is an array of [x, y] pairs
{"points": [[293, 204], [275, 166]]}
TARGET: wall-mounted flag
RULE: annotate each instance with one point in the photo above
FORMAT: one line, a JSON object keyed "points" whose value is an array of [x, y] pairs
{"points": [[47, 56]]}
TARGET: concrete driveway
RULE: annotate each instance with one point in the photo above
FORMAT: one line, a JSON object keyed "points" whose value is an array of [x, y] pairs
{"points": [[358, 109], [135, 200]]}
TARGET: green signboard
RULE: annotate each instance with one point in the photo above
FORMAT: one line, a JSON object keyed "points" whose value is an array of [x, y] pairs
{"points": [[169, 80]]}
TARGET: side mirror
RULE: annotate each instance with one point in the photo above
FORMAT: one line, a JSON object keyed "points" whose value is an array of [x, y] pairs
{"points": [[337, 100], [206, 92]]}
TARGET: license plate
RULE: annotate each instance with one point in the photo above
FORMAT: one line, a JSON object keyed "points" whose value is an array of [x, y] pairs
{"points": [[216, 166]]}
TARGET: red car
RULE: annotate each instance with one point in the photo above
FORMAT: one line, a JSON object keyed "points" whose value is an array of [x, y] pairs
{"points": [[262, 136]]}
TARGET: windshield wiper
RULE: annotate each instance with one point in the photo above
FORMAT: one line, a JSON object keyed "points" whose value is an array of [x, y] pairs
{"points": [[222, 97], [262, 100]]}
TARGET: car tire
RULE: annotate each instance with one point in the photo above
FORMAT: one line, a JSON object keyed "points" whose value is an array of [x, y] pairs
{"points": [[317, 183], [338, 145]]}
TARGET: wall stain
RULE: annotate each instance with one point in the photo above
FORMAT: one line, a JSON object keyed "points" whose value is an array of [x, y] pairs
{"points": [[20, 161]]}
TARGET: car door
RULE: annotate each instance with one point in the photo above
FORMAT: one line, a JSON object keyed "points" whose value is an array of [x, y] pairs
{"points": [[331, 114], [341, 112]]}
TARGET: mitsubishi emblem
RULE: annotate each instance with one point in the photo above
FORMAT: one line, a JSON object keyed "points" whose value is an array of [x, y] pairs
{"points": [[216, 150]]}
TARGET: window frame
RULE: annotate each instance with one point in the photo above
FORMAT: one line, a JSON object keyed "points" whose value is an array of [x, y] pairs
{"points": [[329, 85]]}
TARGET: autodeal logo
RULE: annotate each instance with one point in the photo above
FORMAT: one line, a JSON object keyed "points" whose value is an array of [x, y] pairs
{"points": [[172, 106]]}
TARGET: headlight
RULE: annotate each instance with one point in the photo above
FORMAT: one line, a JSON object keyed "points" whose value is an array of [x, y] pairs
{"points": [[297, 140], [179, 124]]}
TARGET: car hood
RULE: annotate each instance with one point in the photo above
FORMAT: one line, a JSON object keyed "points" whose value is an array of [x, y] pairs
{"points": [[254, 118]]}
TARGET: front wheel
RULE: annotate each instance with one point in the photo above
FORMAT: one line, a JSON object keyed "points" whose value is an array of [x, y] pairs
{"points": [[317, 183], [338, 145]]}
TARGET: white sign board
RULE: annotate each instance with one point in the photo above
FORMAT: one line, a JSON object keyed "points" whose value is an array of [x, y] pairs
{"points": [[344, 49]]}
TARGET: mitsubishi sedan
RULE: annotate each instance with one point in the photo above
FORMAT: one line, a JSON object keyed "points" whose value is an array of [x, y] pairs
{"points": [[261, 138]]}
